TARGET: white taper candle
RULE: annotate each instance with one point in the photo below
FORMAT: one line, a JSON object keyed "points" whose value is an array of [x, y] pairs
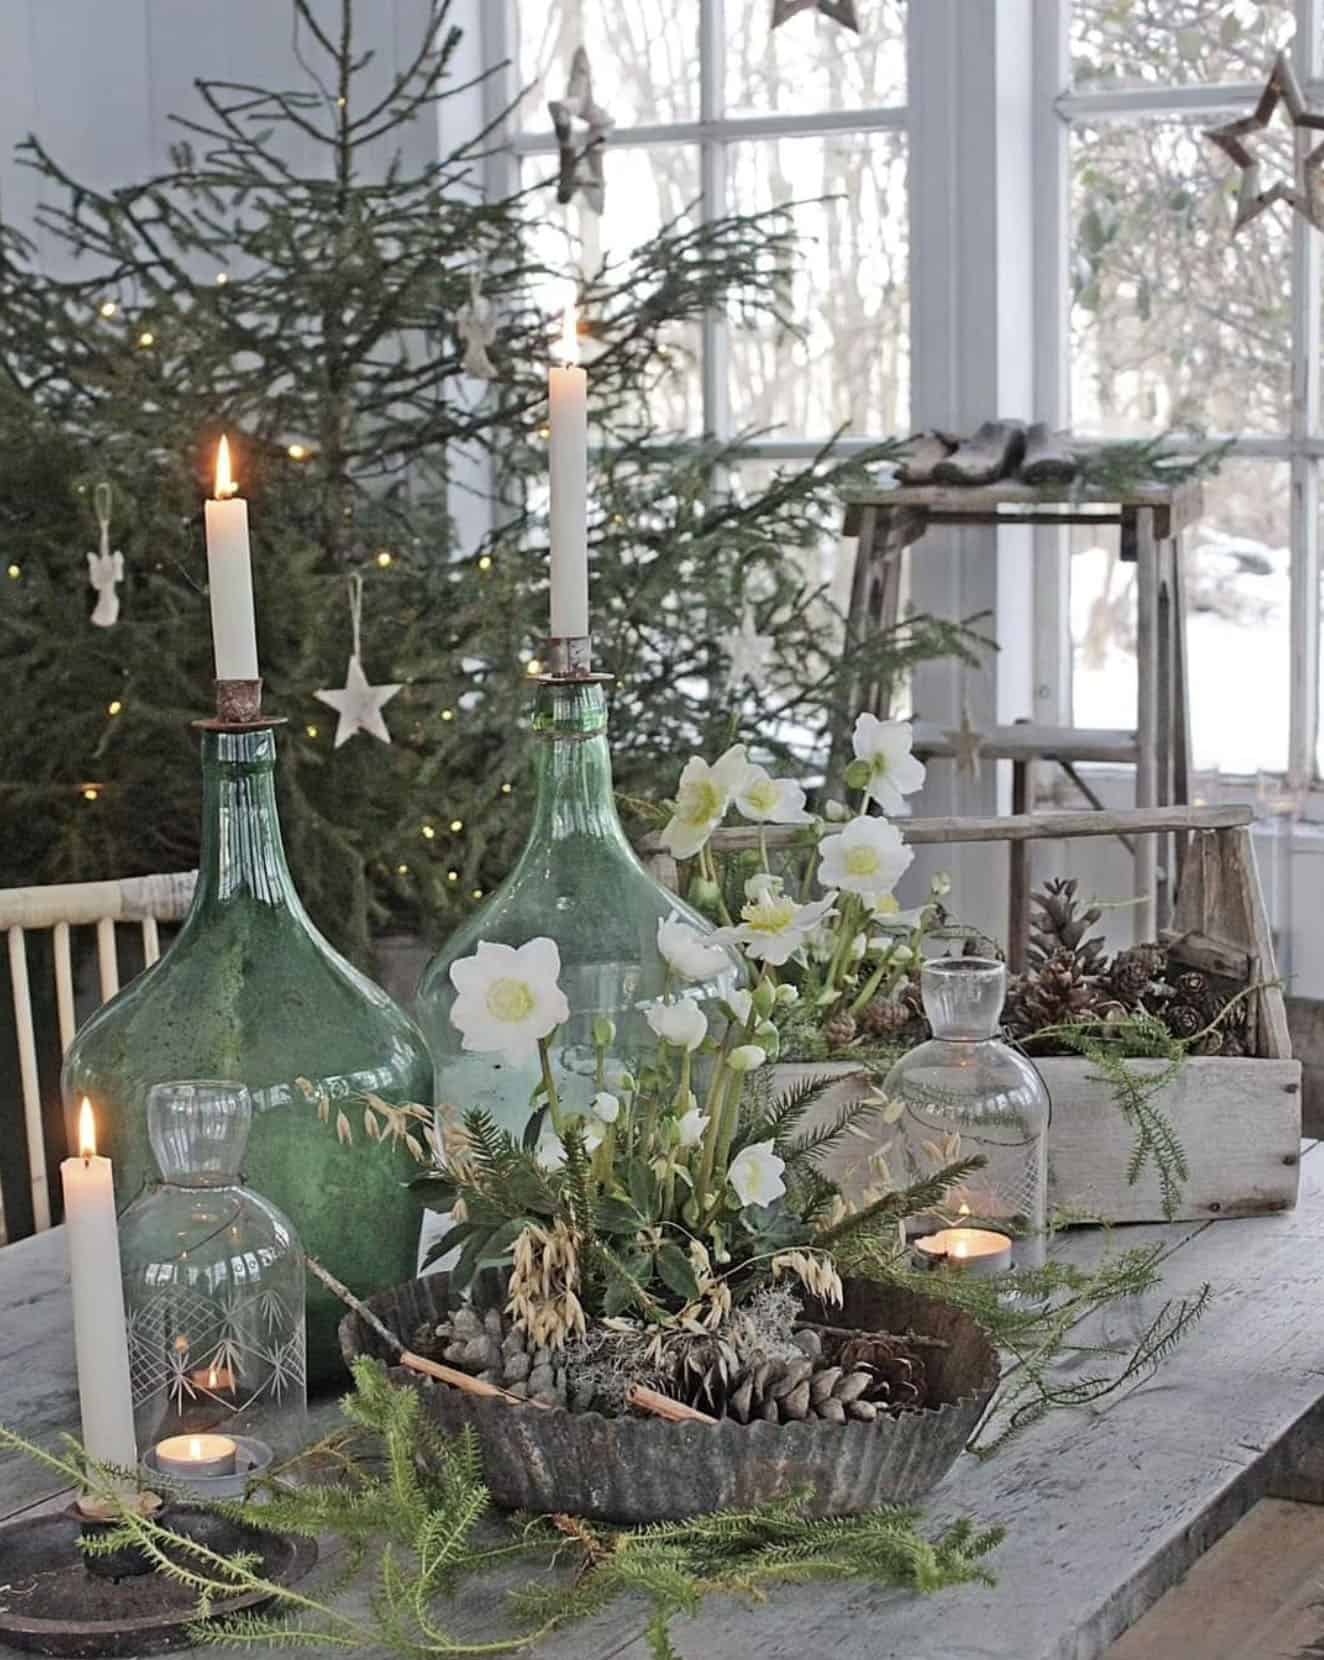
{"points": [[101, 1343], [567, 391], [230, 578]]}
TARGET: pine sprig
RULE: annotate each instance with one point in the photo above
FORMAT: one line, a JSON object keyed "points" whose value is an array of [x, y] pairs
{"points": [[924, 1195]]}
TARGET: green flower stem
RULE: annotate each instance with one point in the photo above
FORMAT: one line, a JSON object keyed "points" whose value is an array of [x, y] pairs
{"points": [[871, 985], [713, 1106], [549, 1085], [708, 865], [763, 849], [683, 1088], [846, 931]]}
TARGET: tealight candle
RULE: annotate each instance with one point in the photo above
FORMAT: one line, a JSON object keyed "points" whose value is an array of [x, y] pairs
{"points": [[197, 1455], [976, 1251], [216, 1380]]}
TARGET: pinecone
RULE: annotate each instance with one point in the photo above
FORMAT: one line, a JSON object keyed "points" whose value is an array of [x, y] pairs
{"points": [[1183, 1020], [840, 1030], [1193, 987], [1133, 971], [1055, 991], [495, 1350], [1061, 927], [1233, 1046], [867, 1375], [884, 1016]]}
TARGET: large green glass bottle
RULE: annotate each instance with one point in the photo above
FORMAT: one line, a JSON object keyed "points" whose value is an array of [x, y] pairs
{"points": [[579, 883], [251, 992]]}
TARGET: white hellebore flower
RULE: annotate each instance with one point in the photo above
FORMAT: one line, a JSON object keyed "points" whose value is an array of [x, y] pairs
{"points": [[761, 883], [741, 1005], [746, 1058], [756, 1175], [683, 1023], [867, 858], [508, 999], [593, 1131], [687, 952], [750, 652], [766, 800], [605, 1107], [691, 1126], [884, 747], [702, 800], [774, 927]]}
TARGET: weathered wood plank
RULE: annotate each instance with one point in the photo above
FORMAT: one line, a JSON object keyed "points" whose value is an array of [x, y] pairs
{"points": [[1185, 498], [1012, 827], [1238, 1121], [1028, 741], [1258, 1585]]}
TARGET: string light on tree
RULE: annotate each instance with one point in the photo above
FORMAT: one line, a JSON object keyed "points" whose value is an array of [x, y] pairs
{"points": [[485, 563], [107, 308], [114, 707], [297, 452], [457, 824], [147, 338], [15, 571], [427, 832]]}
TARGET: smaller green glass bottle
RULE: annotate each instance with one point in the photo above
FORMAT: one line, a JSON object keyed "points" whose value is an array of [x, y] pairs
{"points": [[578, 882]]}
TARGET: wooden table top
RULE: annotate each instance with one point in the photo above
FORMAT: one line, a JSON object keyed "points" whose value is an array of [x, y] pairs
{"points": [[1104, 1509]]}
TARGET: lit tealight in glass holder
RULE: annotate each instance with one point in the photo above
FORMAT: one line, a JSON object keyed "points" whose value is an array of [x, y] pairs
{"points": [[189, 1456]]}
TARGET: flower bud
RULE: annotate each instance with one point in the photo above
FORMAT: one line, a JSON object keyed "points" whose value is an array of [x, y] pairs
{"points": [[746, 1058], [765, 994], [857, 775], [787, 995], [705, 894], [604, 1032], [836, 812], [858, 946], [941, 885], [770, 1039]]}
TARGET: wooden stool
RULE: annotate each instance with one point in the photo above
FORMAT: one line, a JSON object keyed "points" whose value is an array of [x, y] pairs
{"points": [[1150, 519]]}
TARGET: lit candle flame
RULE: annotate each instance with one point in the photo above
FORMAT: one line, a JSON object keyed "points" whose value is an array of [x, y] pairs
{"points": [[964, 1210], [567, 346], [959, 1248], [87, 1131], [225, 484], [194, 1447], [213, 1378]]}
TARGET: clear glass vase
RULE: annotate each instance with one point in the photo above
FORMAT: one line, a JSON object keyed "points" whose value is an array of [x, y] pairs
{"points": [[965, 1092], [213, 1283], [251, 991], [578, 882]]}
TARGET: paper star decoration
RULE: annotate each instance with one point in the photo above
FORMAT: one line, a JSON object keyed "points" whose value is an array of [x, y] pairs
{"points": [[1305, 195], [476, 326], [750, 653], [581, 164], [359, 705], [967, 743], [840, 11]]}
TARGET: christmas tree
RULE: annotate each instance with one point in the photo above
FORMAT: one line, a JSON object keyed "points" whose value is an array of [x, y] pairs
{"points": [[291, 281]]}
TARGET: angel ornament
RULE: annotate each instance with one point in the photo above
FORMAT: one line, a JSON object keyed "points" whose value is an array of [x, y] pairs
{"points": [[104, 568], [476, 326]]}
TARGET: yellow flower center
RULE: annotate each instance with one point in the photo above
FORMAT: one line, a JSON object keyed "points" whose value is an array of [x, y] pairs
{"points": [[862, 861], [762, 795], [509, 1000], [770, 915], [703, 803]]}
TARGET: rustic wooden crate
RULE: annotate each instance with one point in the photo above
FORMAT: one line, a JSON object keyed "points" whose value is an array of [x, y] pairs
{"points": [[1238, 1120]]}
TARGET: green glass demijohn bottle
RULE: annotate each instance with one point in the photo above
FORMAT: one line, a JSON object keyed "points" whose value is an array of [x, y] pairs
{"points": [[251, 992], [578, 882]]}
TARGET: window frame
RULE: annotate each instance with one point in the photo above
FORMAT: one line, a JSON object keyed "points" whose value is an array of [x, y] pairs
{"points": [[1301, 446], [711, 133]]}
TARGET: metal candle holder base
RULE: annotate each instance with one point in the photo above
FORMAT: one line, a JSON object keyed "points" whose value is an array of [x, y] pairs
{"points": [[239, 708], [570, 657], [56, 1603]]}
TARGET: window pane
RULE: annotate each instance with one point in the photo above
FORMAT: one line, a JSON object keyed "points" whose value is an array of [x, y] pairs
{"points": [[647, 186], [811, 62], [847, 290], [1176, 322], [1164, 42], [644, 57], [1236, 562]]}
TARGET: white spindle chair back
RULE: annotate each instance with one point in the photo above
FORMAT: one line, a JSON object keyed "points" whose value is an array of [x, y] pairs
{"points": [[145, 900]]}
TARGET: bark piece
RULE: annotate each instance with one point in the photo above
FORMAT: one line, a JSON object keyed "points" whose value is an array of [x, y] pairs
{"points": [[922, 454], [1049, 458]]}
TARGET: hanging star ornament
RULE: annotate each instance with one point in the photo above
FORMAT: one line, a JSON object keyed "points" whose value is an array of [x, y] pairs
{"points": [[581, 162], [840, 11], [359, 705], [966, 744], [1305, 195]]}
